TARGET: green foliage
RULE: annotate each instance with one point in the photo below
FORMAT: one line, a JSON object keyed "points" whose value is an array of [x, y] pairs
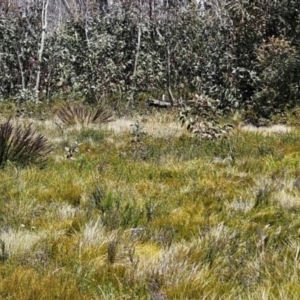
{"points": [[18, 49], [116, 213], [90, 134], [250, 57], [21, 146], [201, 118], [245, 55], [278, 87]]}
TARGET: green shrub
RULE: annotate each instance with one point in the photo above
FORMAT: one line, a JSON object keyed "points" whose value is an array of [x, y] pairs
{"points": [[277, 88], [201, 118]]}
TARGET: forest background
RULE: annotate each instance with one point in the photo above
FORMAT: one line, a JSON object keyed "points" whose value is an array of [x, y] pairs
{"points": [[243, 54]]}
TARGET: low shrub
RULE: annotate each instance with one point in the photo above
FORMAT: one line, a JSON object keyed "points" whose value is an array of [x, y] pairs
{"points": [[201, 117]]}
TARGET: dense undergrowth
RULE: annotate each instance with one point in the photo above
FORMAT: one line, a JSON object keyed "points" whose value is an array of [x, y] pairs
{"points": [[142, 210], [240, 54]]}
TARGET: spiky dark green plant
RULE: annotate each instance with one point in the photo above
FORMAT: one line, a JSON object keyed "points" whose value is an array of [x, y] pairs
{"points": [[79, 114], [22, 146]]}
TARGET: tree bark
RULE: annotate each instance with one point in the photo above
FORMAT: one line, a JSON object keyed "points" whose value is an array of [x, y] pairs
{"points": [[41, 49], [172, 100], [138, 46]]}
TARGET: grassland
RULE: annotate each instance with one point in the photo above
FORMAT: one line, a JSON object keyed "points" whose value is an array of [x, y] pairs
{"points": [[145, 211]]}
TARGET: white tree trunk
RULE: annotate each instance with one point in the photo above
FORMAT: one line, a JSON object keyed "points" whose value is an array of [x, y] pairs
{"points": [[41, 48]]}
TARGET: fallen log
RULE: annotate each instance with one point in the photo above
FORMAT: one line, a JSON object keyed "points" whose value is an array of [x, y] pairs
{"points": [[160, 103]]}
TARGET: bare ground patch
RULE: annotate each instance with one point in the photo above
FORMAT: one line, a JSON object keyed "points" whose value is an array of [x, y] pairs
{"points": [[153, 126]]}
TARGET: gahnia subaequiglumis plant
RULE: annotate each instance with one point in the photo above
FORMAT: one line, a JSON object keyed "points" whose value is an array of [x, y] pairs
{"points": [[22, 146], [79, 114]]}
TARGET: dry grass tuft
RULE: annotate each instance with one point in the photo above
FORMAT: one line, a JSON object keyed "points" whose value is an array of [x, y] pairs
{"points": [[267, 129], [21, 241]]}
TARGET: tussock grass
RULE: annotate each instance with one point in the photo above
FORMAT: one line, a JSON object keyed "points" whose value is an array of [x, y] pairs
{"points": [[152, 214], [82, 115], [21, 146]]}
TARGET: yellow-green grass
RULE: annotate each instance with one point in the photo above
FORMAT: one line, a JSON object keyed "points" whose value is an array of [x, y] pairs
{"points": [[160, 214]]}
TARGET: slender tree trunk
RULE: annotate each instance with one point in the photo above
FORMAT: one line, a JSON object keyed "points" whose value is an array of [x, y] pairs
{"points": [[19, 55], [138, 46], [86, 25], [41, 49], [67, 7], [169, 76], [137, 53]]}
